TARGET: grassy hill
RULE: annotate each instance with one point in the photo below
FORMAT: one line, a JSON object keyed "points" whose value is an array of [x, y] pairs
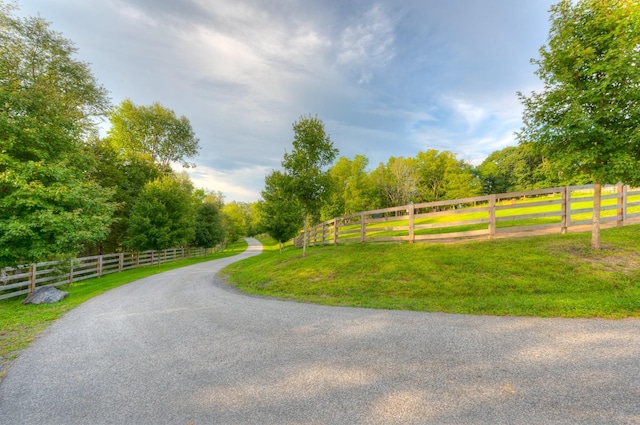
{"points": [[546, 276]]}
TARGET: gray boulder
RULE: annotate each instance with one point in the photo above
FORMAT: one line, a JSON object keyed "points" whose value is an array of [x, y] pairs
{"points": [[45, 295]]}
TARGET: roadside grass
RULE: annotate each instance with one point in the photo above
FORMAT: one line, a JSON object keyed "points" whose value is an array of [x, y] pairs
{"points": [[20, 324], [544, 276]]}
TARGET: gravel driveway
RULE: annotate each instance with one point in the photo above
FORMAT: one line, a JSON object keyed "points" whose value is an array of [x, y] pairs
{"points": [[183, 348]]}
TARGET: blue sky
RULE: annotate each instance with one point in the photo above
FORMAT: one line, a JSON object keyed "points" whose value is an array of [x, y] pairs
{"points": [[388, 78]]}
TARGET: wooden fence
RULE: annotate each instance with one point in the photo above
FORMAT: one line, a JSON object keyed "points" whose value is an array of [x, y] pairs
{"points": [[555, 210], [25, 279]]}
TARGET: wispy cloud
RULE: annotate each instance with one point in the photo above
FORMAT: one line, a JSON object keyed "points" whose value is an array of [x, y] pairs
{"points": [[367, 44]]}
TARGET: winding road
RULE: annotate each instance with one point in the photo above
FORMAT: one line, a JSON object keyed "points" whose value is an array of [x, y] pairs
{"points": [[182, 347]]}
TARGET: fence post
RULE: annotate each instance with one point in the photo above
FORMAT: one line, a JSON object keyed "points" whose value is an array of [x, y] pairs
{"points": [[99, 265], [363, 228], [32, 278], [71, 271], [121, 261], [411, 223], [324, 230], [492, 216], [622, 201], [565, 209], [335, 231]]}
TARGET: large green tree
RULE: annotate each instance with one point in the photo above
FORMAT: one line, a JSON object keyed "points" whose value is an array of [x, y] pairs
{"points": [[153, 131], [209, 229], [280, 215], [126, 176], [163, 216], [312, 153], [49, 104], [587, 116]]}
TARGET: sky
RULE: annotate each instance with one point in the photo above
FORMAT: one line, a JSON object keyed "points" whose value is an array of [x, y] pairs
{"points": [[387, 78]]}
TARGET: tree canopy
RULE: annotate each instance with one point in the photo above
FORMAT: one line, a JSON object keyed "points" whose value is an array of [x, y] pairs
{"points": [[586, 117], [280, 216], [163, 216], [154, 131], [49, 105]]}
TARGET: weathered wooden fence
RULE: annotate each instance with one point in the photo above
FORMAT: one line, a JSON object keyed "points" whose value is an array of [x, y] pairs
{"points": [[555, 210], [25, 279]]}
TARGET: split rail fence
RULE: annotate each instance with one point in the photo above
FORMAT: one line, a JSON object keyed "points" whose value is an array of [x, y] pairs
{"points": [[537, 212], [25, 279]]}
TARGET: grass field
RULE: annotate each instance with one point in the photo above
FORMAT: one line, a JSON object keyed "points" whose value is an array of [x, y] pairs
{"points": [[20, 324], [545, 276]]}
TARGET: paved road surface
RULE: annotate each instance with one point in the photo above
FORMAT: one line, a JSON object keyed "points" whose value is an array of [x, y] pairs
{"points": [[182, 348]]}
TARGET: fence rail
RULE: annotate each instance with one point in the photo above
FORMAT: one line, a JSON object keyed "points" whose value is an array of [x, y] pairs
{"points": [[25, 279], [536, 212]]}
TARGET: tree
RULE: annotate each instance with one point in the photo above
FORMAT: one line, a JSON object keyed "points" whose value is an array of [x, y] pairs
{"points": [[280, 215], [126, 177], [522, 167], [441, 175], [305, 165], [163, 216], [236, 219], [209, 230], [153, 131], [397, 181], [586, 118], [351, 188], [49, 104]]}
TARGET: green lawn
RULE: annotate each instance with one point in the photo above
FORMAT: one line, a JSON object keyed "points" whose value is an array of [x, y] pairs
{"points": [[20, 324], [546, 276]]}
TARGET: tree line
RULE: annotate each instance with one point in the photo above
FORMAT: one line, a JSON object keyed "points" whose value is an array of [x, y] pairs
{"points": [[65, 190]]}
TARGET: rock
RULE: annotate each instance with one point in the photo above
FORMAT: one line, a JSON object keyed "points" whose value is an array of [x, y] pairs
{"points": [[45, 295]]}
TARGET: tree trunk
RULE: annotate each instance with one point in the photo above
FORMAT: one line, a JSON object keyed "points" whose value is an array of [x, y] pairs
{"points": [[595, 229]]}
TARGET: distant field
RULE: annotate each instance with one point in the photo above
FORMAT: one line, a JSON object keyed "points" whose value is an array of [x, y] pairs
{"points": [[507, 216]]}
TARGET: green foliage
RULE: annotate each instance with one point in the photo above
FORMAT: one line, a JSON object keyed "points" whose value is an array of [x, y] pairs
{"points": [[48, 105], [586, 118], [125, 177], [237, 220], [440, 175], [163, 216], [397, 181], [352, 188], [153, 131], [305, 165], [280, 216], [312, 152], [209, 229], [48, 211]]}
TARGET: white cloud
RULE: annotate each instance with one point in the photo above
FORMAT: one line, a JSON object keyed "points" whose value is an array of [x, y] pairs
{"points": [[368, 44], [241, 184]]}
